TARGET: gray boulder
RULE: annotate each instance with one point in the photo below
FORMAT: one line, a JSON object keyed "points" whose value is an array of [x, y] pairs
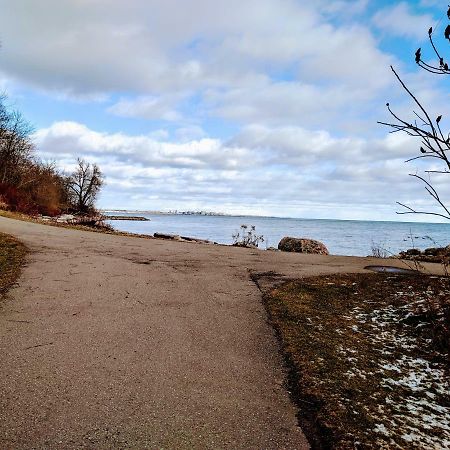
{"points": [[302, 245]]}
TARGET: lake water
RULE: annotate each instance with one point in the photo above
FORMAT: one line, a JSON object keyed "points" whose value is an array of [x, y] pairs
{"points": [[342, 237]]}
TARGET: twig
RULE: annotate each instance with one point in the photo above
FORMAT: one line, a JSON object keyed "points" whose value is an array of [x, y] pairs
{"points": [[38, 345]]}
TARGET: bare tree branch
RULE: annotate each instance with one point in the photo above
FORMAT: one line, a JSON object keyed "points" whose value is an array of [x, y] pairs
{"points": [[434, 144]]}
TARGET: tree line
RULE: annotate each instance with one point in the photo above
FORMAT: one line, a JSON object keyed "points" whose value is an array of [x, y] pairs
{"points": [[32, 186]]}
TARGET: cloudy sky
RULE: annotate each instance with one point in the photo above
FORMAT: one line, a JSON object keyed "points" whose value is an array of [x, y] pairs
{"points": [[265, 107]]}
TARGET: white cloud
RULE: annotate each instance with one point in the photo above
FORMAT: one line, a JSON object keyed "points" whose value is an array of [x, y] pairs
{"points": [[399, 20], [273, 62], [346, 8], [64, 139], [109, 46], [295, 146], [265, 170], [149, 107], [189, 133]]}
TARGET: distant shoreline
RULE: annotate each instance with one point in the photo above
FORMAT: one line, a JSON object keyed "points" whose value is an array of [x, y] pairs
{"points": [[167, 213], [135, 218], [220, 214]]}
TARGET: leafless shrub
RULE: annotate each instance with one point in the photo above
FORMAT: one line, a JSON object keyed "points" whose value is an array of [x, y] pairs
{"points": [[247, 237], [378, 250]]}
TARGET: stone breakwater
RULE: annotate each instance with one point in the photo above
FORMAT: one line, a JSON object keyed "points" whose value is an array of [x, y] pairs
{"points": [[133, 218]]}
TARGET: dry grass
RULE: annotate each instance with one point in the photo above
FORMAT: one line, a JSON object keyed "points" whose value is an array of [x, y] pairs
{"points": [[12, 256], [368, 357]]}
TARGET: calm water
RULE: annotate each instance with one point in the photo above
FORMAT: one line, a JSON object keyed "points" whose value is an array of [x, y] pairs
{"points": [[342, 237]]}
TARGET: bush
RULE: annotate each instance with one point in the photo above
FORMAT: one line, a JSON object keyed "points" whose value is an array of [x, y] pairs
{"points": [[247, 237]]}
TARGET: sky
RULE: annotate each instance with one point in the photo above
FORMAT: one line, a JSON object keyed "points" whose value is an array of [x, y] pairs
{"points": [[265, 107]]}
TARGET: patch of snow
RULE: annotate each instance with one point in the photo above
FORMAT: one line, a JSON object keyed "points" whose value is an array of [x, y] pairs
{"points": [[380, 428]]}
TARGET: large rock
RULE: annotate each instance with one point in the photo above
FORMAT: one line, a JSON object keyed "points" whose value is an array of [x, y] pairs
{"points": [[302, 245]]}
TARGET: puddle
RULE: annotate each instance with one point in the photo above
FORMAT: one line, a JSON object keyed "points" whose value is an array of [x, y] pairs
{"points": [[392, 269]]}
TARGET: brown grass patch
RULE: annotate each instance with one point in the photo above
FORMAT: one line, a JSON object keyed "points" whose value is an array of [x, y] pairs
{"points": [[369, 358], [12, 256]]}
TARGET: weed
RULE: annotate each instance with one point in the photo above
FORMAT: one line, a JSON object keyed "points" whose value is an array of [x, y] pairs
{"points": [[247, 237]]}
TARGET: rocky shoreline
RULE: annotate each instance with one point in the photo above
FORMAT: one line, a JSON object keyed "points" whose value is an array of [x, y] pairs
{"points": [[87, 219], [432, 254], [70, 219]]}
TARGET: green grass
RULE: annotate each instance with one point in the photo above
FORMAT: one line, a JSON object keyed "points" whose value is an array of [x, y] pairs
{"points": [[12, 257]]}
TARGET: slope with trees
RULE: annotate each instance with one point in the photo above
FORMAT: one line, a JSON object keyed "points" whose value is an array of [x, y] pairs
{"points": [[32, 186]]}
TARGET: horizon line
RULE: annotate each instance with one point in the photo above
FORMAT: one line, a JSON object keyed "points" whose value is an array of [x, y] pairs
{"points": [[222, 214]]}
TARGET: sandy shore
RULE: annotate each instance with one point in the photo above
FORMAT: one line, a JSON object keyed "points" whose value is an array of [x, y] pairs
{"points": [[120, 342]]}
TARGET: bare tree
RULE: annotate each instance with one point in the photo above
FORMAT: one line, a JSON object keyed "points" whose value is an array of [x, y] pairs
{"points": [[16, 147], [435, 145], [84, 184]]}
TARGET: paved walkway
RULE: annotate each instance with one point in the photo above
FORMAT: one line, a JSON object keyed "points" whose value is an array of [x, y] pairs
{"points": [[119, 342]]}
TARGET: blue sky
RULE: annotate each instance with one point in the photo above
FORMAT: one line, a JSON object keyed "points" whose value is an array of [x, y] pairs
{"points": [[256, 106]]}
